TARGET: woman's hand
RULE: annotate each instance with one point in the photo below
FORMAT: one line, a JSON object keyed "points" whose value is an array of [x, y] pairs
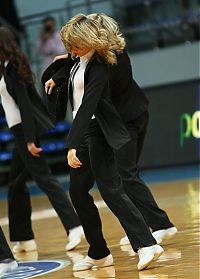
{"points": [[60, 57], [33, 149], [73, 161], [49, 85]]}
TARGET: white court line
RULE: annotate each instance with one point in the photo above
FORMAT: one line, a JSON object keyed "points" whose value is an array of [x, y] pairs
{"points": [[47, 213]]}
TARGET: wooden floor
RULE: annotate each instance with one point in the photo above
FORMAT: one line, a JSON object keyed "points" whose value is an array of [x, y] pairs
{"points": [[180, 259]]}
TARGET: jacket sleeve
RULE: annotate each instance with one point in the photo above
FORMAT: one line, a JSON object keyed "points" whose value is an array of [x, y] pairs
{"points": [[64, 72], [61, 101], [60, 76], [97, 81], [25, 107], [56, 102]]}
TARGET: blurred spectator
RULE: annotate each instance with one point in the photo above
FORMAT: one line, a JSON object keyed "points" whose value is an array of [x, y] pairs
{"points": [[49, 43]]}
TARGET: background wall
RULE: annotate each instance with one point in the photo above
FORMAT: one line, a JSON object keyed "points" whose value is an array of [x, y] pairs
{"points": [[173, 136], [163, 43], [168, 65], [26, 8]]}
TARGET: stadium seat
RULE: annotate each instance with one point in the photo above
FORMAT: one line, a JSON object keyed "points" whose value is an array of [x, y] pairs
{"points": [[61, 127], [53, 147], [5, 156], [6, 136]]}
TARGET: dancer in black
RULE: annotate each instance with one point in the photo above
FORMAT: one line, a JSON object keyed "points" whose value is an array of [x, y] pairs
{"points": [[98, 127], [132, 105], [28, 118]]}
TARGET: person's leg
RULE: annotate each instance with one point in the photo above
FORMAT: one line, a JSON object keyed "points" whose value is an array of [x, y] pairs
{"points": [[81, 181], [7, 260], [110, 186], [40, 172], [127, 160], [5, 252], [19, 204]]}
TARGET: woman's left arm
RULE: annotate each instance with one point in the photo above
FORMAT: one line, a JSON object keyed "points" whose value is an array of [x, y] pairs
{"points": [[97, 81], [25, 107]]}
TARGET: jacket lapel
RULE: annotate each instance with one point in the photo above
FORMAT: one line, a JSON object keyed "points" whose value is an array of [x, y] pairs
{"points": [[70, 83]]}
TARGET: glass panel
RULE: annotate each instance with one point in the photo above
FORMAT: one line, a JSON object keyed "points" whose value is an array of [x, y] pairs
{"points": [[75, 2], [103, 7], [82, 9]]}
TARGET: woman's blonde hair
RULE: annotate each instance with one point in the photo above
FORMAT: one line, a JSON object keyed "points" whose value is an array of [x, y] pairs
{"points": [[96, 31]]}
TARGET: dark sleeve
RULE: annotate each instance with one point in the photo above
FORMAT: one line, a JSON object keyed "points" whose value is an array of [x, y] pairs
{"points": [[60, 75], [58, 69], [58, 99], [25, 107], [64, 72], [97, 80], [56, 102]]}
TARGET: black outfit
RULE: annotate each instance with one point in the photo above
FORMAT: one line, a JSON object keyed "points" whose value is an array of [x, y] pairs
{"points": [[100, 137], [127, 161], [97, 153], [35, 121], [5, 252], [132, 105]]}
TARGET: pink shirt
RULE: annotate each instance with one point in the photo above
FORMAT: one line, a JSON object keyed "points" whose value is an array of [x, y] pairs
{"points": [[49, 49]]}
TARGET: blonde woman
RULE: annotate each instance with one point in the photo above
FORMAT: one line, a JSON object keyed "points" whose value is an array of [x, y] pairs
{"points": [[132, 106], [98, 128]]}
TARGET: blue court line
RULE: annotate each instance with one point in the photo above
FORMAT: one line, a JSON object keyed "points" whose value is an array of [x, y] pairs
{"points": [[149, 176]]}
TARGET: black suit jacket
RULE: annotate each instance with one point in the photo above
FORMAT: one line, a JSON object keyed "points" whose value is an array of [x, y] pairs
{"points": [[35, 117], [97, 101], [56, 102], [127, 97]]}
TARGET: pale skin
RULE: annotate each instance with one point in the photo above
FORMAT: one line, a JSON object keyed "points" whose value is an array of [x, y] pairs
{"points": [[49, 85], [33, 149], [73, 160], [60, 57]]}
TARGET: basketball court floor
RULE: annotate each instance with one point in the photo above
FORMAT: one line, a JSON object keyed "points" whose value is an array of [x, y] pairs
{"points": [[178, 195]]}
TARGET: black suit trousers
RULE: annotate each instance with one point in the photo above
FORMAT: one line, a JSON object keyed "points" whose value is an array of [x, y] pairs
{"points": [[127, 161], [19, 197], [101, 158], [82, 181], [5, 252]]}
